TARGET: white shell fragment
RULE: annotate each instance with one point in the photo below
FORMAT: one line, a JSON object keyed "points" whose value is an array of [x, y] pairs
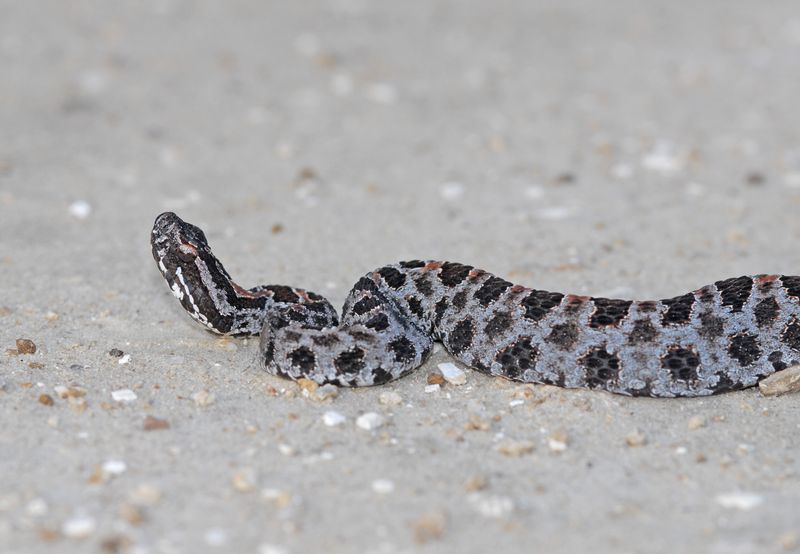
{"points": [[124, 395], [369, 421], [332, 418], [452, 373]]}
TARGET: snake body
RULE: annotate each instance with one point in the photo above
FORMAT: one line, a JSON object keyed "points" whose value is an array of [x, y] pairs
{"points": [[721, 337]]}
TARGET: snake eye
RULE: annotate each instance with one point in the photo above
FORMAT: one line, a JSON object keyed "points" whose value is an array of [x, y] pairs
{"points": [[187, 252]]}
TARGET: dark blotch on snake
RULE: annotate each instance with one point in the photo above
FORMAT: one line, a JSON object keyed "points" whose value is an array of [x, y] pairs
{"points": [[682, 363], [350, 361], [303, 358], [365, 304], [735, 292], [643, 331], [491, 290], [601, 367], [791, 335], [563, 335], [378, 322], [392, 276], [539, 302], [282, 293], [452, 274], [766, 311], [679, 310], [403, 350], [460, 338], [498, 324], [744, 349], [608, 312]]}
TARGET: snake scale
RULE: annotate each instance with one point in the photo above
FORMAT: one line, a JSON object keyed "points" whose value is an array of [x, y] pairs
{"points": [[721, 337]]}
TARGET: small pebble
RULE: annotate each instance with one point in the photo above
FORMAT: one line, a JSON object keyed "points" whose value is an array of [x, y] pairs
{"points": [[696, 422], [369, 421], [123, 395], [267, 548], [558, 441], [432, 388], [429, 526], [781, 382], [126, 359], [80, 209], [390, 398], [203, 398], [46, 399], [515, 449], [739, 500], [286, 449], [492, 506], [116, 353], [37, 507], [635, 438], [452, 373], [451, 190], [476, 483], [332, 418], [79, 527], [26, 346], [154, 424], [114, 467], [435, 378], [145, 494], [382, 486], [244, 480], [69, 392]]}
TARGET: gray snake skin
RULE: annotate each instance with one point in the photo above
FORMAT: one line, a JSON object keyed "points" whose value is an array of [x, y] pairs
{"points": [[719, 338]]}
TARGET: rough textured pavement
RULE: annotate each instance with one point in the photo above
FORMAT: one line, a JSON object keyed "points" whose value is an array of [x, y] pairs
{"points": [[633, 149]]}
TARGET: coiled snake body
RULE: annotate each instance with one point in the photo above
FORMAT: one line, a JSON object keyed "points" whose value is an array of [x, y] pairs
{"points": [[721, 337]]}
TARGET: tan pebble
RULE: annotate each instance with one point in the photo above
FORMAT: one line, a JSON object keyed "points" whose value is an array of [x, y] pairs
{"points": [[46, 399], [635, 438], [789, 540], [435, 378], [390, 398], [515, 449], [131, 513], [476, 483], [26, 346], [154, 424], [280, 498], [307, 385], [251, 429], [696, 422], [69, 392], [276, 228], [116, 544], [77, 404], [558, 441], [476, 423], [244, 480], [26, 385], [781, 382], [203, 398], [98, 476], [47, 534], [429, 526], [51, 316], [145, 495], [700, 458], [35, 365]]}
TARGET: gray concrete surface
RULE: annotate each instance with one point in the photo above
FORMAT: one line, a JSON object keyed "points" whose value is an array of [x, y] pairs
{"points": [[621, 148]]}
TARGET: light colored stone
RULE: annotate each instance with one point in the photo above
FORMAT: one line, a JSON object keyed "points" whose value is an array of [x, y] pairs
{"points": [[696, 422], [739, 500], [369, 421], [79, 526], [333, 418], [635, 438], [558, 441], [244, 480], [123, 395], [452, 373], [515, 449], [390, 398], [383, 486], [781, 382], [490, 505], [203, 398]]}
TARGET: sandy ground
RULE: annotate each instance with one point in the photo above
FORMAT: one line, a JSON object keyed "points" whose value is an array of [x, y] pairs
{"points": [[631, 148]]}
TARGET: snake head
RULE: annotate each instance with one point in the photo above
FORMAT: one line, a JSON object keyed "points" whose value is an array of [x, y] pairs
{"points": [[185, 260]]}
